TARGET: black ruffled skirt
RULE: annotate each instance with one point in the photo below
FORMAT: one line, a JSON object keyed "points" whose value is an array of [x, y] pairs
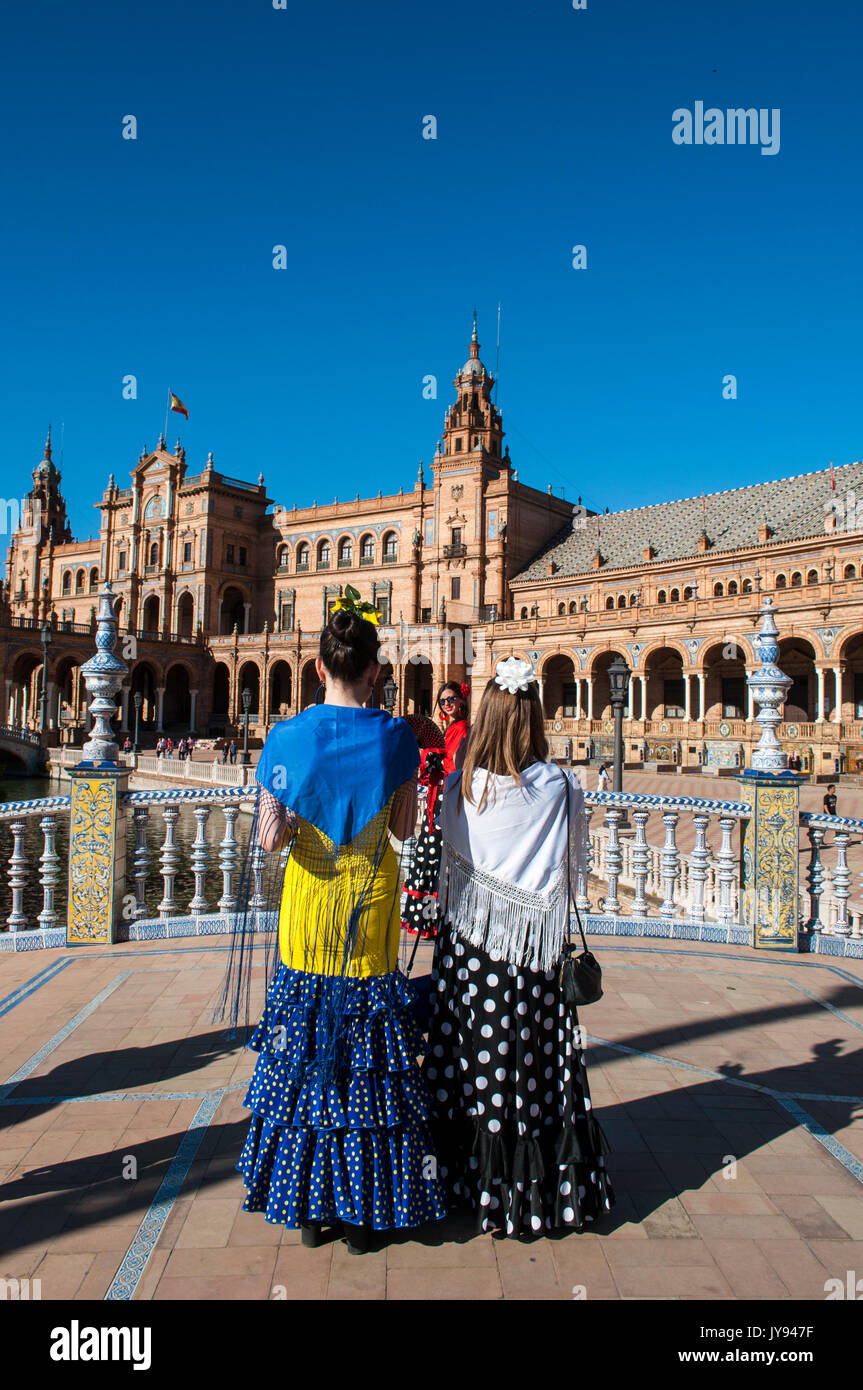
{"points": [[511, 1113]]}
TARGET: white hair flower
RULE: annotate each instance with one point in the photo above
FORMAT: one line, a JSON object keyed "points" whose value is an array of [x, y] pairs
{"points": [[514, 674]]}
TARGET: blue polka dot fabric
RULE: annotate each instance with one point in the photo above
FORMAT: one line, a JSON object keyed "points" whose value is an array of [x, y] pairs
{"points": [[346, 1144]]}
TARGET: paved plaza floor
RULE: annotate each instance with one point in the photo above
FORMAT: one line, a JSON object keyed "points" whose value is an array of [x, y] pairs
{"points": [[728, 1081]]}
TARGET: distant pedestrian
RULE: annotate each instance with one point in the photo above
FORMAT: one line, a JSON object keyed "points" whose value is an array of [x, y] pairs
{"points": [[233, 751], [830, 801], [225, 752], [127, 746], [602, 779], [169, 747]]}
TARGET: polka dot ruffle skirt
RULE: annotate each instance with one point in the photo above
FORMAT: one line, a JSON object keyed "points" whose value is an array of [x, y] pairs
{"points": [[511, 1108], [355, 1148]]}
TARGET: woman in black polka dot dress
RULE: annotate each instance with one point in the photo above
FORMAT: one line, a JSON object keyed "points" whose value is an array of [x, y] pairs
{"points": [[516, 1132]]}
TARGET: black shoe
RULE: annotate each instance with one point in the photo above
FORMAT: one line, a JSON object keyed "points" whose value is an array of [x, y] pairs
{"points": [[358, 1238], [311, 1234]]}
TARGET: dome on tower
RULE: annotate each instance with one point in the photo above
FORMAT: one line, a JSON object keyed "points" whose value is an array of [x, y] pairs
{"points": [[473, 367]]}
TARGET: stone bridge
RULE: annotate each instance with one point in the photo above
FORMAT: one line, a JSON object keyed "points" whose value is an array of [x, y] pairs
{"points": [[23, 745]]}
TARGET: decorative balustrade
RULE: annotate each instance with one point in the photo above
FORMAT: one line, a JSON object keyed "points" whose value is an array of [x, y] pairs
{"points": [[676, 865]]}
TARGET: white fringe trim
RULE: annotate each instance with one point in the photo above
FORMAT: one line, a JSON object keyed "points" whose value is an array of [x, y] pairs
{"points": [[508, 923]]}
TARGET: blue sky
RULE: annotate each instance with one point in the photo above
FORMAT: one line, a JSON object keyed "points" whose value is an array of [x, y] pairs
{"points": [[302, 127]]}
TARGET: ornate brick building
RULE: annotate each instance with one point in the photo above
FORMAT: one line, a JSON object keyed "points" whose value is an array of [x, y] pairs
{"points": [[222, 589]]}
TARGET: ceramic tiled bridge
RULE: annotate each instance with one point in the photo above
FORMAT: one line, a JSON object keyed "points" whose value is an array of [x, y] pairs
{"points": [[728, 1081]]}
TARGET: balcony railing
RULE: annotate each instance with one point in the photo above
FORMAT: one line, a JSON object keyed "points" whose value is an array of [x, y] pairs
{"points": [[367, 559], [302, 566], [454, 552], [390, 557]]}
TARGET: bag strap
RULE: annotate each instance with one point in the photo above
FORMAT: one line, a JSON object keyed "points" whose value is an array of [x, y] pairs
{"points": [[569, 897]]}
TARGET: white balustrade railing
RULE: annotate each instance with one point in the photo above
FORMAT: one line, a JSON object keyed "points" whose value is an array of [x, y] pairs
{"points": [[633, 847]]}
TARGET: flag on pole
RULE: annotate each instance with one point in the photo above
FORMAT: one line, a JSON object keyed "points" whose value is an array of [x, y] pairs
{"points": [[177, 404]]}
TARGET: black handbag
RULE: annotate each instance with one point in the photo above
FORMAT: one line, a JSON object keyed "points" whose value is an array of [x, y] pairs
{"points": [[580, 976]]}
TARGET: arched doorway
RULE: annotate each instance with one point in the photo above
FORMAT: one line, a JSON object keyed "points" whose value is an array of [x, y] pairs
{"points": [[185, 615], [249, 679], [177, 709], [378, 692], [725, 694], [601, 691], [559, 691], [26, 691], [280, 691], [417, 680], [308, 685], [150, 616], [852, 695], [144, 681], [233, 611], [666, 684], [68, 684], [221, 690], [797, 660]]}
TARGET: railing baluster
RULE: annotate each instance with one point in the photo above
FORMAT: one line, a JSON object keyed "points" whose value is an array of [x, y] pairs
{"points": [[640, 862], [50, 861], [200, 859], [17, 919], [170, 858], [842, 883], [699, 867], [141, 816], [670, 862], [228, 859], [613, 860], [581, 897], [727, 871], [258, 860], [815, 878]]}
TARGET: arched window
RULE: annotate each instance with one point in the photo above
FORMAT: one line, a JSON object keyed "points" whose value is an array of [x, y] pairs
{"points": [[367, 550], [524, 612], [573, 607], [346, 552], [79, 582], [674, 596], [747, 586], [781, 581], [94, 580], [154, 508], [391, 547], [609, 602], [850, 572], [633, 600], [797, 579], [688, 594], [323, 555], [621, 600], [732, 587], [812, 577], [561, 609], [303, 553], [718, 591], [283, 557], [661, 596], [154, 553], [67, 581]]}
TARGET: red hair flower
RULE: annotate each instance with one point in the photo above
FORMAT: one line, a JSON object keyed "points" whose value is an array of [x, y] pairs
{"points": [[465, 690]]}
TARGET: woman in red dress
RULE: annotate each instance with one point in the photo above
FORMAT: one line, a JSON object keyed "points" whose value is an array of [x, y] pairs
{"points": [[436, 763]]}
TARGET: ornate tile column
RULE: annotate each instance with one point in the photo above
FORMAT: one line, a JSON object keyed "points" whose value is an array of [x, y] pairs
{"points": [[97, 827], [770, 878]]}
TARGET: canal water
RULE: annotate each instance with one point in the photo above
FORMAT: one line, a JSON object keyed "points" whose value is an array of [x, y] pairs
{"points": [[30, 788]]}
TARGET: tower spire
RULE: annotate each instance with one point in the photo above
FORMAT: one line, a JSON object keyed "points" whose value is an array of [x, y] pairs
{"points": [[473, 336]]}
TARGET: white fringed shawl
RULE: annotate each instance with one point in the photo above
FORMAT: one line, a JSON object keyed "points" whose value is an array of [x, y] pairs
{"points": [[503, 869]]}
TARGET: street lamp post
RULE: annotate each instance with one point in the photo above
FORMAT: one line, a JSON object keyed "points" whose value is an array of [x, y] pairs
{"points": [[247, 705], [46, 643], [390, 689], [138, 699], [618, 684]]}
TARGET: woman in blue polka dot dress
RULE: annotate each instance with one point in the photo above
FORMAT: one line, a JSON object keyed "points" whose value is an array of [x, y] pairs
{"points": [[339, 1134], [517, 1136]]}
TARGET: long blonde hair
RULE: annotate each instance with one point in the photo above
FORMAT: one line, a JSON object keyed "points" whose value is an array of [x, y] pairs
{"points": [[507, 736]]}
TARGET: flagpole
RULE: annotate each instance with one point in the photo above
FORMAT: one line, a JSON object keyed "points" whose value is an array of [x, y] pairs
{"points": [[167, 410]]}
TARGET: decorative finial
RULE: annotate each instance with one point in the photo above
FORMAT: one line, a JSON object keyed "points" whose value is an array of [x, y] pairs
{"points": [[421, 482], [111, 482], [103, 675], [162, 442], [177, 448], [473, 336], [210, 460], [769, 688], [48, 445], [260, 480]]}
